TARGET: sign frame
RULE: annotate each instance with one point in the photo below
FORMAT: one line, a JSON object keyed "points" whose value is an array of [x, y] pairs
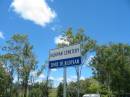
{"points": [[73, 58]]}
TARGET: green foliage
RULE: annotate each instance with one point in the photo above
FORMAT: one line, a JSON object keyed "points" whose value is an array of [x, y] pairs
{"points": [[19, 59], [86, 86], [53, 92], [60, 90], [94, 86], [72, 89], [38, 89], [111, 67], [4, 82], [87, 44]]}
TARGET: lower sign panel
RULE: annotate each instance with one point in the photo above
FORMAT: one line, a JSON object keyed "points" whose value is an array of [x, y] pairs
{"points": [[65, 62]]}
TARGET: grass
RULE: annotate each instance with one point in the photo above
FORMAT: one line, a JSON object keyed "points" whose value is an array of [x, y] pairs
{"points": [[53, 92]]}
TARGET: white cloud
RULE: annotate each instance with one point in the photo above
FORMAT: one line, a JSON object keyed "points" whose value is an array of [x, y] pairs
{"points": [[1, 35], [38, 80], [88, 60], [15, 79], [36, 11], [33, 73], [56, 28], [82, 78], [51, 78], [61, 40], [60, 79], [74, 78], [54, 70], [42, 76], [70, 79]]}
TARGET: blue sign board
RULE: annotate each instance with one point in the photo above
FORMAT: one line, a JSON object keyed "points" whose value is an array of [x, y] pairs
{"points": [[65, 62]]}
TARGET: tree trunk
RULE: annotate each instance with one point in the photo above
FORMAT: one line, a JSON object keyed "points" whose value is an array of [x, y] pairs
{"points": [[25, 89], [25, 86]]}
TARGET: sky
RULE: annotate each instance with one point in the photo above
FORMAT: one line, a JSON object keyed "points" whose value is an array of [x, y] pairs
{"points": [[45, 20]]}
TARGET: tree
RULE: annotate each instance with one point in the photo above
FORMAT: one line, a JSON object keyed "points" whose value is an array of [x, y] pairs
{"points": [[23, 61], [111, 67], [8, 69], [72, 89], [5, 80], [89, 85], [60, 90], [28, 64], [70, 38], [48, 83], [87, 45]]}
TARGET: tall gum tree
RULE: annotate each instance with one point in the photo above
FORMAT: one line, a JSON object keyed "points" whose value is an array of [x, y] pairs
{"points": [[23, 61], [87, 46]]}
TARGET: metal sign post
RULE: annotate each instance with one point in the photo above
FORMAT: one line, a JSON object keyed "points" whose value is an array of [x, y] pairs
{"points": [[65, 82], [78, 81]]}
